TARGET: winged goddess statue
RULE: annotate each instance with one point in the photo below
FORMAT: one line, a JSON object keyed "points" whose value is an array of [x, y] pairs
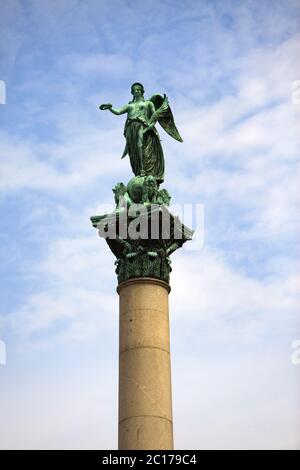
{"points": [[142, 139]]}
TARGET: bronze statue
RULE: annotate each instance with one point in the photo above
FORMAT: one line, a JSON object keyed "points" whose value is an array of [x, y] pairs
{"points": [[142, 139], [141, 231]]}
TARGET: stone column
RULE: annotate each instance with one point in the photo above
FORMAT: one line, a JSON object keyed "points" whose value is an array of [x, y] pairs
{"points": [[145, 397], [143, 267]]}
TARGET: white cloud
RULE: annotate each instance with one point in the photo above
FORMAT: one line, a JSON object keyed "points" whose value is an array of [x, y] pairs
{"points": [[209, 293], [241, 402], [59, 410], [74, 300], [57, 167], [241, 152], [99, 65]]}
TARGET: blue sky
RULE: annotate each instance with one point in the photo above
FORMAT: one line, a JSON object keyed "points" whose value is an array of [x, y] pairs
{"points": [[228, 69]]}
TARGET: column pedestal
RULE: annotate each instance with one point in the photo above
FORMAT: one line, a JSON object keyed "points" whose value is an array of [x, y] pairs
{"points": [[145, 397]]}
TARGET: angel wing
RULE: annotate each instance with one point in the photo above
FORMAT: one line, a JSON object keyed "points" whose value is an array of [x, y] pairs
{"points": [[163, 114]]}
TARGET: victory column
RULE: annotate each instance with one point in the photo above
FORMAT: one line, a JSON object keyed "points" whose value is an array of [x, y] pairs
{"points": [[142, 234]]}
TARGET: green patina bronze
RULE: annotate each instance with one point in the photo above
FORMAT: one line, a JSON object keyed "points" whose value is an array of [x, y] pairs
{"points": [[140, 190], [145, 255], [141, 203], [142, 139]]}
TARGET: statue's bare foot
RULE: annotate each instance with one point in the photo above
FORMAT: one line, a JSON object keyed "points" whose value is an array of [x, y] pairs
{"points": [[143, 173]]}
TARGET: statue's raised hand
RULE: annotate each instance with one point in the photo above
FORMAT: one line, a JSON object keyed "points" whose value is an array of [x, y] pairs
{"points": [[103, 107]]}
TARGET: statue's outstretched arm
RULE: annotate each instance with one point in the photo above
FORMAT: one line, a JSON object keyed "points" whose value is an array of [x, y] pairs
{"points": [[116, 111], [119, 111]]}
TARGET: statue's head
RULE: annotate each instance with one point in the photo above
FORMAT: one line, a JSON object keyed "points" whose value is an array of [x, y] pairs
{"points": [[137, 88]]}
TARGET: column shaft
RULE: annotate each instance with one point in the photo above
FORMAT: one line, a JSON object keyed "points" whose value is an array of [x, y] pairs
{"points": [[145, 398]]}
